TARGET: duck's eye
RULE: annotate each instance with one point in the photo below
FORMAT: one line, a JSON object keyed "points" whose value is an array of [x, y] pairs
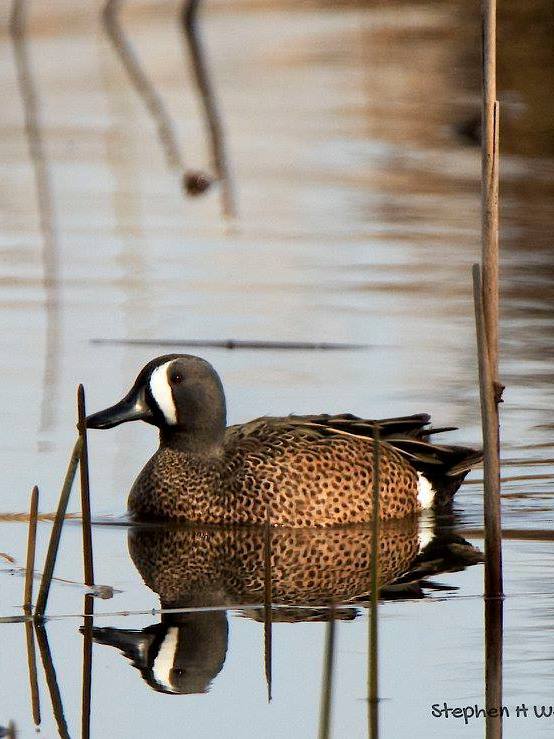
{"points": [[176, 378]]}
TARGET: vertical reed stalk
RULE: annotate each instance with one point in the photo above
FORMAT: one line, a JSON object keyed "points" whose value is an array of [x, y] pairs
{"points": [[486, 301], [489, 182], [373, 657], [486, 298], [268, 622], [327, 683], [31, 548], [87, 667], [28, 606], [85, 488], [493, 530], [57, 532]]}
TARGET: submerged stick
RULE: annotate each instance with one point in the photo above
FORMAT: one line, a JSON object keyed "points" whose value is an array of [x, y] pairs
{"points": [[85, 488], [57, 531], [492, 511], [189, 24], [233, 344], [373, 657], [327, 684], [31, 548]]}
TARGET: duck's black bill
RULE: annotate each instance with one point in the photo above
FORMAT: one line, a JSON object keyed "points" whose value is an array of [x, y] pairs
{"points": [[133, 407]]}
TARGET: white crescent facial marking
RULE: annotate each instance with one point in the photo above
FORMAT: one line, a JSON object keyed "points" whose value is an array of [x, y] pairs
{"points": [[163, 664], [425, 492], [161, 391]]}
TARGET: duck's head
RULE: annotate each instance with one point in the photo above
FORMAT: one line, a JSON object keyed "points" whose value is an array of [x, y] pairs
{"points": [[180, 394]]}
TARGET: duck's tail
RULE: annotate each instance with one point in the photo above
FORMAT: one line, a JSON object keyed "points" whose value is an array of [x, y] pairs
{"points": [[444, 466]]}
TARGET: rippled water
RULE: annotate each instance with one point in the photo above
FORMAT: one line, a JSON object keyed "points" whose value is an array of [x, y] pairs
{"points": [[350, 132]]}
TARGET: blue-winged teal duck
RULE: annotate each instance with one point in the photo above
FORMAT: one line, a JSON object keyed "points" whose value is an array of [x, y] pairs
{"points": [[295, 470]]}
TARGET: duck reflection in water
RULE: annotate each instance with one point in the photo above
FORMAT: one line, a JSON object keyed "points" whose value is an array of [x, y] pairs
{"points": [[211, 569]]}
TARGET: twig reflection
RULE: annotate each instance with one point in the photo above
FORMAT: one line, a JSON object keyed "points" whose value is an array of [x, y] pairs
{"points": [[493, 665], [32, 664], [189, 24], [144, 88], [51, 680], [48, 229], [88, 622]]}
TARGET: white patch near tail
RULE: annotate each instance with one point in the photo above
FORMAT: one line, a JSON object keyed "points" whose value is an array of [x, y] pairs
{"points": [[161, 391], [425, 492], [163, 664]]}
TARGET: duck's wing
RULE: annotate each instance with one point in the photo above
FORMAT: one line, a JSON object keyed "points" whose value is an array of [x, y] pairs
{"points": [[407, 427], [445, 466]]}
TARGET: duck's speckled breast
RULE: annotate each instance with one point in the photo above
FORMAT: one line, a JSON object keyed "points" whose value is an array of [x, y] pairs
{"points": [[299, 481], [177, 485]]}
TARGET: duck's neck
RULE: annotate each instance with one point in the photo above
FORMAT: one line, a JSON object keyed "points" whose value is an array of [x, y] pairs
{"points": [[201, 435]]}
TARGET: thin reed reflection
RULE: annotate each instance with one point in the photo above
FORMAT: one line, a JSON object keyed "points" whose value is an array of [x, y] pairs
{"points": [[46, 213], [51, 680], [327, 678], [191, 34], [143, 86], [32, 665], [494, 608], [86, 694]]}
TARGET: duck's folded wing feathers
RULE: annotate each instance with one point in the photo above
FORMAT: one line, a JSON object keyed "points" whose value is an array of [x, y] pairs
{"points": [[325, 425]]}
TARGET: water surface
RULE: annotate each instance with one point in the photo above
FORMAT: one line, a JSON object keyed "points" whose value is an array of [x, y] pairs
{"points": [[351, 142]]}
